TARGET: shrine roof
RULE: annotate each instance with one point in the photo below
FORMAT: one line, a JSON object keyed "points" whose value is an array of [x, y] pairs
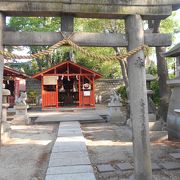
{"points": [[14, 73], [67, 67], [174, 52]]}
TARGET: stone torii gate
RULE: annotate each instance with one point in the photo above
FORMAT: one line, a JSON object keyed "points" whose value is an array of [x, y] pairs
{"points": [[134, 12]]}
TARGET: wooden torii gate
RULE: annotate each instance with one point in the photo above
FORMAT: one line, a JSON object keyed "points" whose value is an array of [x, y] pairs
{"points": [[134, 12]]}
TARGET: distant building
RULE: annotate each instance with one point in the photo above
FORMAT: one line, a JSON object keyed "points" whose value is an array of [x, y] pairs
{"points": [[15, 81], [68, 85]]}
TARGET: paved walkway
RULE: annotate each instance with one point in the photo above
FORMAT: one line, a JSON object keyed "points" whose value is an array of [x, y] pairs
{"points": [[69, 158]]}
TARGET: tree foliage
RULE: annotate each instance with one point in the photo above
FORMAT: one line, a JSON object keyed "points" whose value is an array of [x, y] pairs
{"points": [[48, 24]]}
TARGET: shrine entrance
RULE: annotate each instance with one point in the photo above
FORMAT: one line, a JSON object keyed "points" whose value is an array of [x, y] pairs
{"points": [[67, 85]]}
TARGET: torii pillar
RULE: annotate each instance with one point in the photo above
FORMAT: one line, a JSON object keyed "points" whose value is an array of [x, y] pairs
{"points": [[2, 25], [138, 99]]}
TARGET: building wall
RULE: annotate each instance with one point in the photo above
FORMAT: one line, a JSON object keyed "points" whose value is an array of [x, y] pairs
{"points": [[33, 86], [103, 88]]}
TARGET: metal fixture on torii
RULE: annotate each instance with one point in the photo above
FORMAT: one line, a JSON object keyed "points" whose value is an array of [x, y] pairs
{"points": [[134, 12]]}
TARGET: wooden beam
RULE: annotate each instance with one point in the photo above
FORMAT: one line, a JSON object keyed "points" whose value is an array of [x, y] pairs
{"points": [[88, 9], [81, 38]]}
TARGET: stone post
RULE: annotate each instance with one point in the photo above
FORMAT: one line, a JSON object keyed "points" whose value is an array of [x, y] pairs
{"points": [[2, 24], [5, 127], [138, 99], [67, 23]]}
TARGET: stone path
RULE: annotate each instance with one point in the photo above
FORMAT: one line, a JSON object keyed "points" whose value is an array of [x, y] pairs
{"points": [[69, 158]]}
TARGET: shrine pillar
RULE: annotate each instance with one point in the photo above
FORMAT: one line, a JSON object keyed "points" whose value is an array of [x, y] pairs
{"points": [[138, 99]]}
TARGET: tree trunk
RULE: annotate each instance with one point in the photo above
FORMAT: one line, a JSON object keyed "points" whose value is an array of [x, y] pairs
{"points": [[162, 70], [123, 66], [124, 73], [164, 91]]}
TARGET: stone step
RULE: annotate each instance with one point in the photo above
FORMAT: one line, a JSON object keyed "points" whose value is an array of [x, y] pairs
{"points": [[152, 117], [10, 118], [155, 126], [158, 135], [66, 117]]}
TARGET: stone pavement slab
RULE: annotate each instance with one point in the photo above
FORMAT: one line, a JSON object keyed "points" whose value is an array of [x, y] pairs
{"points": [[170, 165], [61, 155], [175, 155], [60, 144], [125, 166], [78, 176], [69, 133], [70, 123], [69, 148], [70, 169], [69, 130], [68, 159], [105, 168], [70, 139]]}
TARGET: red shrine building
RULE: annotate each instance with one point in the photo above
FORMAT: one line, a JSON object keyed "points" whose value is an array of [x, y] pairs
{"points": [[68, 85], [15, 81]]}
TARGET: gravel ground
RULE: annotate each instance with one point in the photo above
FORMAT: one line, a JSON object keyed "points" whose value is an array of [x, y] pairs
{"points": [[25, 156], [110, 143]]}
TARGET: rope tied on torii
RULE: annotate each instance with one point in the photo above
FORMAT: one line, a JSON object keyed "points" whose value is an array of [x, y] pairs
{"points": [[68, 41]]}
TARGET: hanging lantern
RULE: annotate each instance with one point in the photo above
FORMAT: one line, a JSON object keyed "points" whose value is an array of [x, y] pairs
{"points": [[86, 86], [75, 89], [62, 89], [68, 78], [77, 77]]}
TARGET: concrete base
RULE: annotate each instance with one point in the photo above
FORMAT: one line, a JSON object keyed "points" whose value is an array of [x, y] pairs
{"points": [[158, 135], [155, 126], [24, 118], [152, 117], [64, 117], [73, 176], [21, 113], [5, 132], [173, 127], [115, 114]]}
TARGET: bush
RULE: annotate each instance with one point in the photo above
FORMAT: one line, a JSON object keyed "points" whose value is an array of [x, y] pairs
{"points": [[122, 91], [156, 96], [32, 94]]}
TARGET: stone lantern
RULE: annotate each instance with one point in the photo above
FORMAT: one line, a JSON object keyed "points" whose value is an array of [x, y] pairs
{"points": [[5, 125], [151, 106], [173, 117]]}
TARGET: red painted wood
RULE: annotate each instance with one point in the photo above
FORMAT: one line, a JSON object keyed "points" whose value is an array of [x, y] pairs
{"points": [[79, 86], [11, 100], [86, 70], [71, 71], [49, 98], [16, 88], [56, 95]]}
